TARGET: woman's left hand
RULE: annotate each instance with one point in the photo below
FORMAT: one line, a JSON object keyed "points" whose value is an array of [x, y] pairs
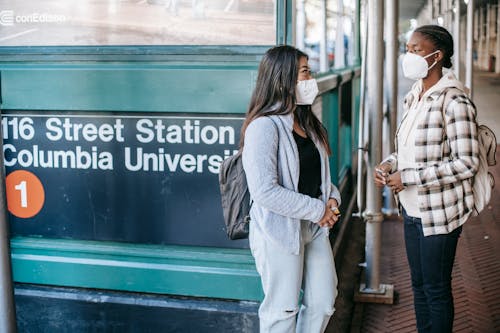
{"points": [[333, 205], [394, 182]]}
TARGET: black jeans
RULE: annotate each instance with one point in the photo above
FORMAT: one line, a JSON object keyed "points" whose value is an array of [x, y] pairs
{"points": [[431, 262]]}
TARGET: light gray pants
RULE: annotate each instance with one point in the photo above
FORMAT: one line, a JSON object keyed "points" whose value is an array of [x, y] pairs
{"points": [[283, 275]]}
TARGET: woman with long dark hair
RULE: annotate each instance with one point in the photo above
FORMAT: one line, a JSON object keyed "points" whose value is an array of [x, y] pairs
{"points": [[432, 171], [285, 157]]}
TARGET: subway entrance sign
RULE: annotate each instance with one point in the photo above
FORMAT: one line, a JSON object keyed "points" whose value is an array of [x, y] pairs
{"points": [[141, 178]]}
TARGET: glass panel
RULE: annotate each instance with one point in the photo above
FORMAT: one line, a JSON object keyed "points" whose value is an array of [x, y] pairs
{"points": [[309, 30], [340, 16], [333, 19], [340, 32], [349, 30], [137, 22]]}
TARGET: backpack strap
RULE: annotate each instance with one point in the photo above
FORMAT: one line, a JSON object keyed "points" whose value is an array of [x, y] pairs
{"points": [[485, 134], [449, 95], [278, 132], [488, 140]]}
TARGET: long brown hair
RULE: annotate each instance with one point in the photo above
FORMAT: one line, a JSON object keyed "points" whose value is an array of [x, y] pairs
{"points": [[274, 93]]}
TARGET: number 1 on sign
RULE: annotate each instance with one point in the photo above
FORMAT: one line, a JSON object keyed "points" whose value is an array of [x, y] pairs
{"points": [[24, 185], [24, 195]]}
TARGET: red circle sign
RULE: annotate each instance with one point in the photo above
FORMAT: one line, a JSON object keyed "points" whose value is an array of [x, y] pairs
{"points": [[25, 193]]}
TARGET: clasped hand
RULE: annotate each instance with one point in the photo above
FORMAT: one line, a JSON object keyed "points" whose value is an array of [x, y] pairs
{"points": [[382, 177], [329, 217]]}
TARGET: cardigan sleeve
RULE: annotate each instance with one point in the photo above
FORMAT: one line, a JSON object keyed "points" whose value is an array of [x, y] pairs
{"points": [[260, 162], [335, 194]]}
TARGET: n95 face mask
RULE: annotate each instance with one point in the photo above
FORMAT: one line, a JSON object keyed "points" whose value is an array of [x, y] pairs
{"points": [[306, 91], [415, 67]]}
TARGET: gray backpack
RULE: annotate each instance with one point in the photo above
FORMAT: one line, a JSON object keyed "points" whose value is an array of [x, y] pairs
{"points": [[235, 197], [236, 201]]}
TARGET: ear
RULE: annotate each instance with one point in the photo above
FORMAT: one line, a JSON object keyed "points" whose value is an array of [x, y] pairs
{"points": [[439, 56]]}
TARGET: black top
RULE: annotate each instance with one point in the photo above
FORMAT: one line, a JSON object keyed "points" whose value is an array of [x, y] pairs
{"points": [[310, 166]]}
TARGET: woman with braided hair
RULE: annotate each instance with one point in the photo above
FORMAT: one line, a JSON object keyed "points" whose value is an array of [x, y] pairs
{"points": [[431, 172]]}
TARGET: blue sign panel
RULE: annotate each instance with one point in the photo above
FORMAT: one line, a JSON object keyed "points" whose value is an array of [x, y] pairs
{"points": [[142, 178]]}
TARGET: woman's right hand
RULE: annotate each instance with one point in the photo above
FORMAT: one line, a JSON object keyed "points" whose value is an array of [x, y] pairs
{"points": [[329, 218], [381, 173]]}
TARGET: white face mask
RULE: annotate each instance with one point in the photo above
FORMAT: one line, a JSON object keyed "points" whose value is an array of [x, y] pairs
{"points": [[306, 91], [415, 67]]}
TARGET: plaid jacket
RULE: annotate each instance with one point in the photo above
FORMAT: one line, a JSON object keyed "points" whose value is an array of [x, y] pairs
{"points": [[447, 156]]}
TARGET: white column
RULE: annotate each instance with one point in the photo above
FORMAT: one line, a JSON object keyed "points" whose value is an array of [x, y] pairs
{"points": [[323, 55], [497, 53], [374, 107], [339, 39], [391, 68], [443, 12], [470, 44], [300, 31], [456, 38], [449, 14], [391, 65], [480, 40], [488, 36], [476, 23]]}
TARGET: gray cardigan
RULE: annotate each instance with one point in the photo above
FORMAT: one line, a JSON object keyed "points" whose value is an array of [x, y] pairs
{"points": [[272, 170]]}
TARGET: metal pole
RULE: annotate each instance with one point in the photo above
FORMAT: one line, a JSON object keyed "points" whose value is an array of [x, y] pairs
{"points": [[468, 51], [323, 53], [284, 23], [374, 107], [497, 53], [391, 65], [7, 308], [480, 50], [300, 34], [357, 35], [362, 126], [450, 15], [457, 38], [488, 35], [339, 39], [293, 23]]}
